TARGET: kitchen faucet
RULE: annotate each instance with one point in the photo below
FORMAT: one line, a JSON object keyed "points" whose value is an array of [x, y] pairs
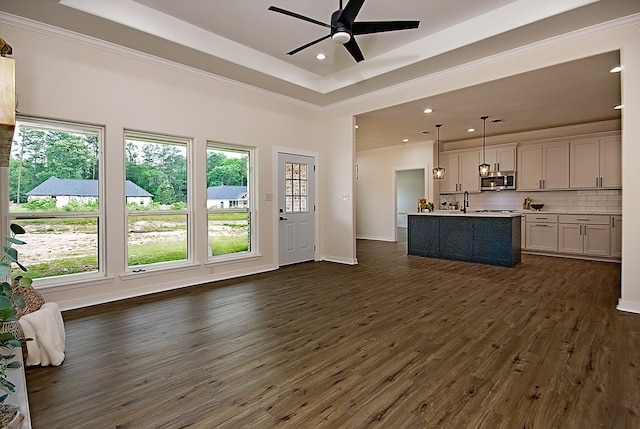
{"points": [[465, 202]]}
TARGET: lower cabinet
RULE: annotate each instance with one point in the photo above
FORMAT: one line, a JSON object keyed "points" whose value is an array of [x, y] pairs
{"points": [[584, 235], [589, 235], [542, 232], [616, 236]]}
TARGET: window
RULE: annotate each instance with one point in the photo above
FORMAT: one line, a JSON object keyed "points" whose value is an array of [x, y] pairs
{"points": [[55, 190], [229, 200], [157, 200]]}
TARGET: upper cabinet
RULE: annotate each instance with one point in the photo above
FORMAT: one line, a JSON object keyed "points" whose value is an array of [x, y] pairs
{"points": [[543, 166], [500, 158], [461, 171], [596, 163], [7, 108]]}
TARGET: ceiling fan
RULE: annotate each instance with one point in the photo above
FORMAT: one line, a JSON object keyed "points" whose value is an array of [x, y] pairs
{"points": [[344, 26]]}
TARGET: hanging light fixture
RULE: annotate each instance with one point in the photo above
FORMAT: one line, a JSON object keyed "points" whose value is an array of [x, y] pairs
{"points": [[438, 172], [484, 167]]}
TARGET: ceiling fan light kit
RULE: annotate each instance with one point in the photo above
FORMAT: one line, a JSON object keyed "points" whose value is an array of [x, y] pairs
{"points": [[344, 26]]}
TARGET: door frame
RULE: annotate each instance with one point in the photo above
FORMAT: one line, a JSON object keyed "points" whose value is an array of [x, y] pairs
{"points": [[428, 189], [275, 198]]}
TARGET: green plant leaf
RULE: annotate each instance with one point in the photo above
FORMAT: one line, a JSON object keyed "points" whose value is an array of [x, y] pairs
{"points": [[16, 229], [14, 240], [22, 267], [11, 254], [14, 364], [5, 289], [5, 303], [18, 301], [5, 269], [25, 281]]}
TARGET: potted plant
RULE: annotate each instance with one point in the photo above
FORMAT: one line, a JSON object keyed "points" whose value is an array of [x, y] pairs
{"points": [[10, 416]]}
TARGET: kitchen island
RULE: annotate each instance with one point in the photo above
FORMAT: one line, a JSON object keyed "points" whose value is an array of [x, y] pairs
{"points": [[486, 237]]}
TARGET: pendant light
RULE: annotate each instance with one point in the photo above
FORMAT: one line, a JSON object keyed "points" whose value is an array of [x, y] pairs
{"points": [[438, 172], [484, 167]]}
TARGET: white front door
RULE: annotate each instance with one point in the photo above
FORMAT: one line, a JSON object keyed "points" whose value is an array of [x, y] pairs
{"points": [[296, 208]]}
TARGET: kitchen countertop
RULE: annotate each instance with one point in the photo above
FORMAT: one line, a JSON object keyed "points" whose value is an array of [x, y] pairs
{"points": [[508, 213], [469, 213]]}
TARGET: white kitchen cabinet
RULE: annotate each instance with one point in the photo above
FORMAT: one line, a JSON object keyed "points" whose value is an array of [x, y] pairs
{"points": [[450, 164], [596, 163], [584, 235], [543, 166], [542, 232], [461, 171], [501, 158], [616, 236]]}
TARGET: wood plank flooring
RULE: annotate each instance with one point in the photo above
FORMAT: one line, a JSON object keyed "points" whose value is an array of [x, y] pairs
{"points": [[396, 342]]}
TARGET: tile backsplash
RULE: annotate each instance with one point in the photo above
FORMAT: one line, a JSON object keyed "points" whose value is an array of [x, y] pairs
{"points": [[596, 200]]}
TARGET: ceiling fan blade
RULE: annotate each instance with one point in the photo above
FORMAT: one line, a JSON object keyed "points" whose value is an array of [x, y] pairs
{"points": [[295, 51], [350, 12], [369, 27], [354, 50], [297, 15]]}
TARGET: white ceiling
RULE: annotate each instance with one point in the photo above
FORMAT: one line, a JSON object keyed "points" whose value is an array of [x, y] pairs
{"points": [[244, 41]]}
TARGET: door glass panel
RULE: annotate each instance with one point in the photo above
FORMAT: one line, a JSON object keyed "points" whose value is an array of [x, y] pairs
{"points": [[296, 187]]}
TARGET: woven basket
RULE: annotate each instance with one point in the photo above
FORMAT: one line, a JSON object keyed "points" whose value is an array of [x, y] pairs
{"points": [[14, 328]]}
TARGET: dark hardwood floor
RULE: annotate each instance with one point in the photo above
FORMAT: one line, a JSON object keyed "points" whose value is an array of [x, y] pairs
{"points": [[396, 342]]}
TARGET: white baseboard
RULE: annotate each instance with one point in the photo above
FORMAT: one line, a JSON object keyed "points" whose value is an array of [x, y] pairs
{"points": [[373, 237], [628, 306], [340, 260]]}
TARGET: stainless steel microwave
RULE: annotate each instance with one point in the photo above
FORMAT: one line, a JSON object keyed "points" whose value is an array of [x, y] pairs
{"points": [[498, 181]]}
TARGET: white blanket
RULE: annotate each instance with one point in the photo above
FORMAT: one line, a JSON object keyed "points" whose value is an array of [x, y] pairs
{"points": [[46, 328]]}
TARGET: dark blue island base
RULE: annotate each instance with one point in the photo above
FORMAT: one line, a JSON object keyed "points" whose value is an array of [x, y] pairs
{"points": [[487, 239]]}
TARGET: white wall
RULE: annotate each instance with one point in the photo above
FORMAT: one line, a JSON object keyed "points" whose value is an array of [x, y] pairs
{"points": [[376, 185], [630, 56], [61, 78]]}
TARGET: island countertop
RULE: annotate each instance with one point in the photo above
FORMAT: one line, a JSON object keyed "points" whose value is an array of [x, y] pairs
{"points": [[469, 213]]}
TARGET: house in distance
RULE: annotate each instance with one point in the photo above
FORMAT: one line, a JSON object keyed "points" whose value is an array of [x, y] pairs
{"points": [[83, 191]]}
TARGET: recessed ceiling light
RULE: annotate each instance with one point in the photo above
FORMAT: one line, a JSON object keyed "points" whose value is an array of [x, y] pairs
{"points": [[357, 126], [428, 110], [616, 69], [405, 140], [470, 130], [321, 56], [618, 107]]}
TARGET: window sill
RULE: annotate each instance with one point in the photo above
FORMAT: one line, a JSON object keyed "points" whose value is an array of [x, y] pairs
{"points": [[70, 282], [232, 259], [155, 271]]}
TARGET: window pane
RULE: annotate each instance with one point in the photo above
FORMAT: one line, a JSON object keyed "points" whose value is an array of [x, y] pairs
{"points": [[53, 167], [156, 174], [229, 233], [228, 200], [156, 238], [56, 247]]}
